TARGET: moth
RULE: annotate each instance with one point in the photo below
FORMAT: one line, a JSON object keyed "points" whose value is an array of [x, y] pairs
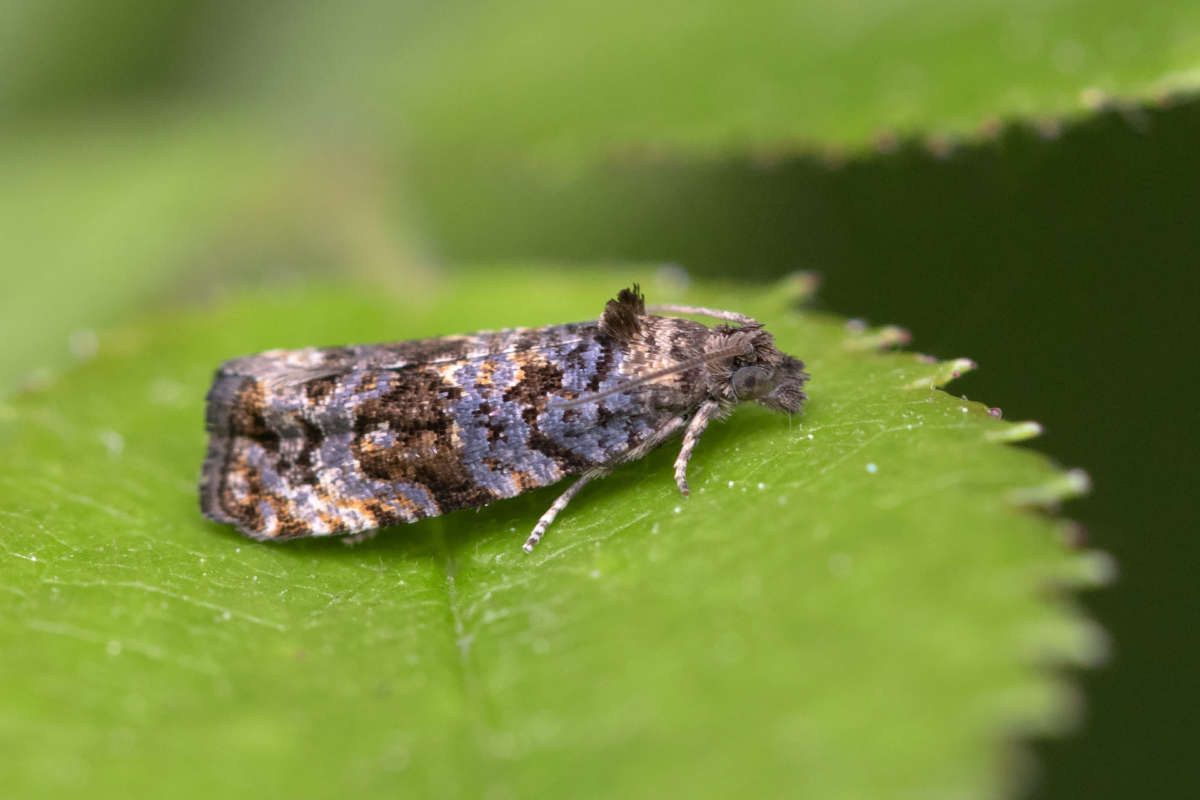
{"points": [[344, 440]]}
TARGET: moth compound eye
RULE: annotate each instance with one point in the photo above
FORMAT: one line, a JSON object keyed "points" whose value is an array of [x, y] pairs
{"points": [[751, 381]]}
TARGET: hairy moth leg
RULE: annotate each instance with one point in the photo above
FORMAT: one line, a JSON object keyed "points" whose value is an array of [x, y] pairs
{"points": [[690, 437]]}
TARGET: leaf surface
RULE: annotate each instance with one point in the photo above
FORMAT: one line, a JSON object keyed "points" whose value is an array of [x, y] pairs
{"points": [[853, 603]]}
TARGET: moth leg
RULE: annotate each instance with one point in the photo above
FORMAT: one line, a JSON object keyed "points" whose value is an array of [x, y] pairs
{"points": [[558, 505], [690, 437], [657, 438], [360, 537]]}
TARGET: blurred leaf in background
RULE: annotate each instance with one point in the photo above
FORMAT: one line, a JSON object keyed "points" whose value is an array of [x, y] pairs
{"points": [[538, 80]]}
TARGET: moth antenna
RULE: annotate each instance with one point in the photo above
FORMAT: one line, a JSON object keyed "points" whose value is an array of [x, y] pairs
{"points": [[633, 383], [700, 311]]}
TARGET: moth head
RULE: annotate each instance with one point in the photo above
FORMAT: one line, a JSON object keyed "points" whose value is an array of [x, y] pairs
{"points": [[761, 373], [779, 387]]}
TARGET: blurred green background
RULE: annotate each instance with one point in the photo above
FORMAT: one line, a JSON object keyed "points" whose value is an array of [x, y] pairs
{"points": [[1016, 182]]}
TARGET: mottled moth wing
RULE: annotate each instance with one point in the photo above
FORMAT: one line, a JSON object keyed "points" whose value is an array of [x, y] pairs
{"points": [[339, 440]]}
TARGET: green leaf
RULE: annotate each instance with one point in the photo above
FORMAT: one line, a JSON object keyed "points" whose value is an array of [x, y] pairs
{"points": [[853, 603], [562, 84]]}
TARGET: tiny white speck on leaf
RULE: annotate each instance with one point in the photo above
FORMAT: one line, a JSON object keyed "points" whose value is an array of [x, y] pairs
{"points": [[871, 468], [678, 509], [83, 344], [731, 484], [167, 392], [113, 442], [761, 485], [840, 565]]}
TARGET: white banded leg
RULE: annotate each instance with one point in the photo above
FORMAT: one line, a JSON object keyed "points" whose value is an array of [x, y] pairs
{"points": [[659, 436], [558, 505], [690, 437]]}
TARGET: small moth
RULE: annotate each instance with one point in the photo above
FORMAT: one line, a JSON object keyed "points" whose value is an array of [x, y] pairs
{"points": [[344, 440]]}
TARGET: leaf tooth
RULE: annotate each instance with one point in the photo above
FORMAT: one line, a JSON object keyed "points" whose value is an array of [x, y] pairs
{"points": [[800, 287], [877, 339], [1097, 568], [940, 145], [943, 373], [1086, 569], [1068, 638], [1070, 484], [1015, 432]]}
